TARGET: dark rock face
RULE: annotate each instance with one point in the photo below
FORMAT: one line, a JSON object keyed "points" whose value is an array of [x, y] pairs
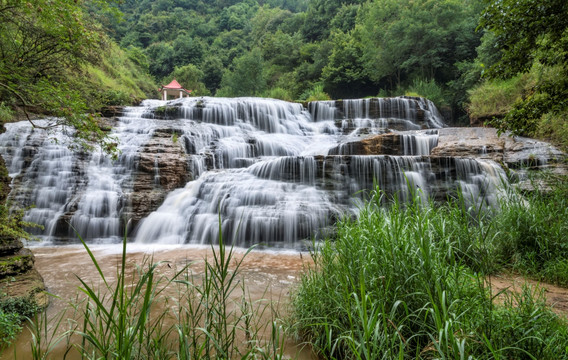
{"points": [[384, 144], [162, 167], [16, 263], [4, 181], [112, 111], [9, 246]]}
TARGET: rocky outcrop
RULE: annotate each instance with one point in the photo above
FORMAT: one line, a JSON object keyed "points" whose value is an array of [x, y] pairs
{"points": [[27, 285], [514, 152], [16, 263], [4, 181], [112, 111], [18, 278], [162, 167], [485, 143]]}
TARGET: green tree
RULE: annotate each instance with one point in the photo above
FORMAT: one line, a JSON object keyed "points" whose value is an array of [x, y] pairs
{"points": [[237, 17], [161, 59], [344, 75], [40, 43], [282, 49], [212, 73], [187, 50], [527, 31], [319, 15], [532, 36], [266, 21], [423, 39], [247, 78], [190, 77]]}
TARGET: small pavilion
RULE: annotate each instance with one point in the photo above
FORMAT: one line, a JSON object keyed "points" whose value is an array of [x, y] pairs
{"points": [[173, 89]]}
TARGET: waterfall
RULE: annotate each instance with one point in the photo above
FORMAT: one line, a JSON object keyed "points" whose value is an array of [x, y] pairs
{"points": [[271, 171]]}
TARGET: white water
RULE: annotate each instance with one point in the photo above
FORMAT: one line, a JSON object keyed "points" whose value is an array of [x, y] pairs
{"points": [[261, 165]]}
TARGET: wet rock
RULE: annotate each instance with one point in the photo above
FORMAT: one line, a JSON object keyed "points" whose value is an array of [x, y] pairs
{"points": [[167, 112], [112, 111], [162, 167], [18, 263], [28, 285], [9, 246], [384, 144], [18, 278], [4, 181], [515, 152]]}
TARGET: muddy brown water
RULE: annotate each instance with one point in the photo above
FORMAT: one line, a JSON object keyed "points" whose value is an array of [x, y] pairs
{"points": [[268, 275]]}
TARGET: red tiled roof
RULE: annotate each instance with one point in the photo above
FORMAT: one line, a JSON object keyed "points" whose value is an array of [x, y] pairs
{"points": [[173, 85]]}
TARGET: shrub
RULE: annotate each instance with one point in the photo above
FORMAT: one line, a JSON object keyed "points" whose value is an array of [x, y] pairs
{"points": [[429, 90], [9, 328], [278, 93], [315, 94], [6, 113], [496, 97]]}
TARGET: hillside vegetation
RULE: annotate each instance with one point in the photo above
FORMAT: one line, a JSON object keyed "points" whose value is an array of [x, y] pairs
{"points": [[301, 49], [55, 59]]}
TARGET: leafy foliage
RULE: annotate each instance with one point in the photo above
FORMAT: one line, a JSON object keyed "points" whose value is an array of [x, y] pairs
{"points": [[46, 48], [12, 225], [531, 33], [9, 328], [354, 48]]}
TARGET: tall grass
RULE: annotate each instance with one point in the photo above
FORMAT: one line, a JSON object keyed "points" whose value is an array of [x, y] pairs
{"points": [[496, 97], [408, 282], [145, 315], [533, 233]]}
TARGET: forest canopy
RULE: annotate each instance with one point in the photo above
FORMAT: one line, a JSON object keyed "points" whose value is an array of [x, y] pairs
{"points": [[299, 49]]}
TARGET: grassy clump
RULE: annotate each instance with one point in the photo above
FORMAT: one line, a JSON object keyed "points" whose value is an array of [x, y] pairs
{"points": [[428, 89], [409, 282], [496, 97], [278, 93], [316, 93], [532, 234]]}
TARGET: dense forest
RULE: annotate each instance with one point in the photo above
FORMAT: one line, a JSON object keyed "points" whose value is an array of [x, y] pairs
{"points": [[302, 50], [476, 59]]}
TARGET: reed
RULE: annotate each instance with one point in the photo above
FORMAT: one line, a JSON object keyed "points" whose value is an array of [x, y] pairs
{"points": [[408, 281], [137, 317]]}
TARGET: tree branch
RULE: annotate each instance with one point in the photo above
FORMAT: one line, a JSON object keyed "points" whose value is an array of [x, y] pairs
{"points": [[25, 104]]}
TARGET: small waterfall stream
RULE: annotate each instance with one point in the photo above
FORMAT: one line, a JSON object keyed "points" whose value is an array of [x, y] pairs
{"points": [[274, 172]]}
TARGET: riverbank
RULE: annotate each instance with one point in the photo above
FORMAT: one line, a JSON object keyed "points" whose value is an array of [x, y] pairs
{"points": [[268, 277]]}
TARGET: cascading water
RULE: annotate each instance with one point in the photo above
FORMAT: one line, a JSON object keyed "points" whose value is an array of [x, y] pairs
{"points": [[274, 172]]}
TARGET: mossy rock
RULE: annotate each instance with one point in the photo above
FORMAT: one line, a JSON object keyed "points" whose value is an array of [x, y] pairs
{"points": [[28, 285], [9, 246], [166, 112], [5, 181], [18, 263]]}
